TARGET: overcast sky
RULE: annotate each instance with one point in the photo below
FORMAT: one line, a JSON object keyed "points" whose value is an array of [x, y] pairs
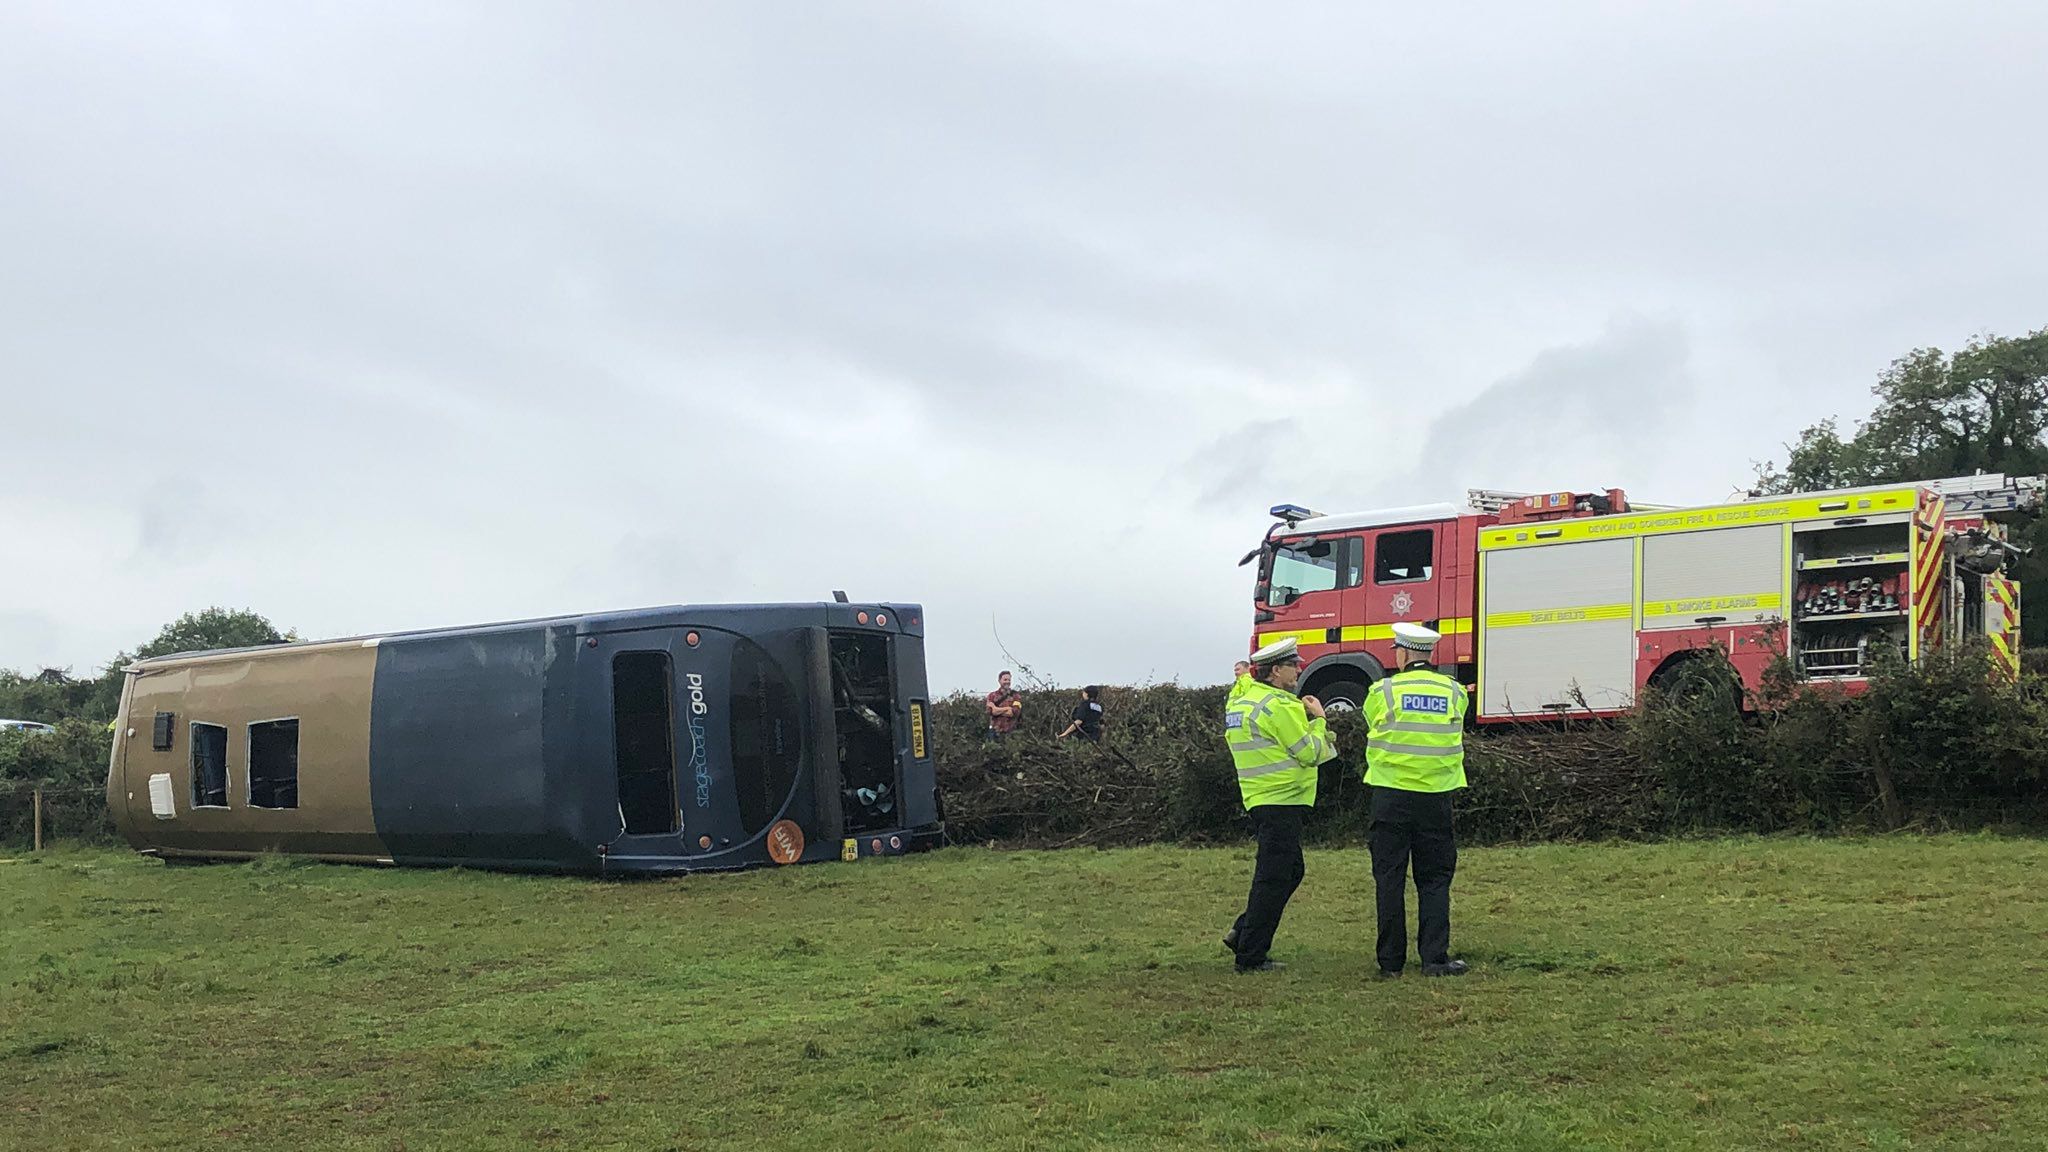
{"points": [[375, 316]]}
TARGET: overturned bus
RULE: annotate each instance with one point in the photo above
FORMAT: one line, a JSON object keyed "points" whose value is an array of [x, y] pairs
{"points": [[662, 740]]}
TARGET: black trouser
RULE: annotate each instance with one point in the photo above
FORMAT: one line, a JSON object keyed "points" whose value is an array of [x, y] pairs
{"points": [[1417, 826], [1275, 876]]}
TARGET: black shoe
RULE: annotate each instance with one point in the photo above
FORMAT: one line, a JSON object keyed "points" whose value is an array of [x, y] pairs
{"points": [[1262, 966], [1390, 973], [1230, 940], [1447, 968]]}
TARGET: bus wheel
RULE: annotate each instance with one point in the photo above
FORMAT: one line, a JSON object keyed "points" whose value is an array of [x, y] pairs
{"points": [[1341, 697]]}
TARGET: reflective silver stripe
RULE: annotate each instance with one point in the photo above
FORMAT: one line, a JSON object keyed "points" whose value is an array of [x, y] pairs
{"points": [[1263, 770], [1387, 695], [1252, 744], [1422, 726], [1414, 749], [1295, 748]]}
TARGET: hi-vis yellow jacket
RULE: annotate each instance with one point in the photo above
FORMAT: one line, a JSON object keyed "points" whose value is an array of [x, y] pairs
{"points": [[1275, 745], [1415, 737]]}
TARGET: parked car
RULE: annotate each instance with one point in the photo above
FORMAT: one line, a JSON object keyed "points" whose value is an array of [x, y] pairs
{"points": [[24, 726]]}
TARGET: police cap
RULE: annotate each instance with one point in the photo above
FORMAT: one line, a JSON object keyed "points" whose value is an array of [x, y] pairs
{"points": [[1415, 637], [1282, 651]]}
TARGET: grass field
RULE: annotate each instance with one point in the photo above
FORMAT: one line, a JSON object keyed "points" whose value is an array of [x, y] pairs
{"points": [[1714, 995]]}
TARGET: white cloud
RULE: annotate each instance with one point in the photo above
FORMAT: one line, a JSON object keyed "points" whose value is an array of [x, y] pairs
{"points": [[392, 315]]}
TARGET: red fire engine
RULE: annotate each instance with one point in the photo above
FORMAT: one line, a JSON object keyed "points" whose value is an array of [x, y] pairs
{"points": [[1571, 602]]}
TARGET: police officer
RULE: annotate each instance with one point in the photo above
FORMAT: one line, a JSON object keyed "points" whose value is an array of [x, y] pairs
{"points": [[1415, 759], [1277, 741], [1240, 680]]}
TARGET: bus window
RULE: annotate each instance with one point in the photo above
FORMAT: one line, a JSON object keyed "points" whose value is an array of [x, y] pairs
{"points": [[209, 765], [643, 728], [767, 735], [274, 764], [864, 714]]}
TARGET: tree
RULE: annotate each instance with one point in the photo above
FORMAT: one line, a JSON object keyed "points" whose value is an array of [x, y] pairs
{"points": [[48, 696], [1817, 461], [193, 632], [53, 694], [212, 628], [1985, 408]]}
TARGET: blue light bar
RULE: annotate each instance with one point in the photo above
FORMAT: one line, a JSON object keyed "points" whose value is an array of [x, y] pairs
{"points": [[1292, 513]]}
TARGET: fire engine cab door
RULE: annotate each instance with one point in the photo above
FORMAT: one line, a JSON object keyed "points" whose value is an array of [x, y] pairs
{"points": [[1402, 579], [1312, 590]]}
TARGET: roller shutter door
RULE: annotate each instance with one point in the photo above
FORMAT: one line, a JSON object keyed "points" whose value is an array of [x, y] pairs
{"points": [[1558, 622], [1724, 576]]}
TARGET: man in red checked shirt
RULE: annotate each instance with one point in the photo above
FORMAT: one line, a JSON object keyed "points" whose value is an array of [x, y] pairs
{"points": [[1004, 707]]}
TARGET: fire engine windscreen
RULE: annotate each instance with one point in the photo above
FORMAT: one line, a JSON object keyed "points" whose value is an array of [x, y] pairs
{"points": [[1311, 565]]}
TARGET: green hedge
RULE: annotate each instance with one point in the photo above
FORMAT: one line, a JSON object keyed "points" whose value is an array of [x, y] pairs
{"points": [[70, 765], [1937, 745]]}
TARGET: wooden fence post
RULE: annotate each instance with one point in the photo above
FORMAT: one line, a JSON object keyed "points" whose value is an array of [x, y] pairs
{"points": [[39, 818]]}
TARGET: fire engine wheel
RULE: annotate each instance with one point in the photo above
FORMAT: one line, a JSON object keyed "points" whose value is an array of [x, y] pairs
{"points": [[1692, 677], [1341, 696]]}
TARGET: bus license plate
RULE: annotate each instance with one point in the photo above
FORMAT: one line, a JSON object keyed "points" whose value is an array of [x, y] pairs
{"points": [[917, 730]]}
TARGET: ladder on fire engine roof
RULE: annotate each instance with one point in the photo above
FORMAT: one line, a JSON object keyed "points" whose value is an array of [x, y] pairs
{"points": [[1991, 492], [1491, 501], [1986, 493]]}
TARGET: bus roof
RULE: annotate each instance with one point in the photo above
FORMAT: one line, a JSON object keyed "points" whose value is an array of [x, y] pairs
{"points": [[673, 615]]}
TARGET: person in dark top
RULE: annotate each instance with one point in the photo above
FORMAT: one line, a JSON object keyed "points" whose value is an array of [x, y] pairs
{"points": [[1087, 716]]}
